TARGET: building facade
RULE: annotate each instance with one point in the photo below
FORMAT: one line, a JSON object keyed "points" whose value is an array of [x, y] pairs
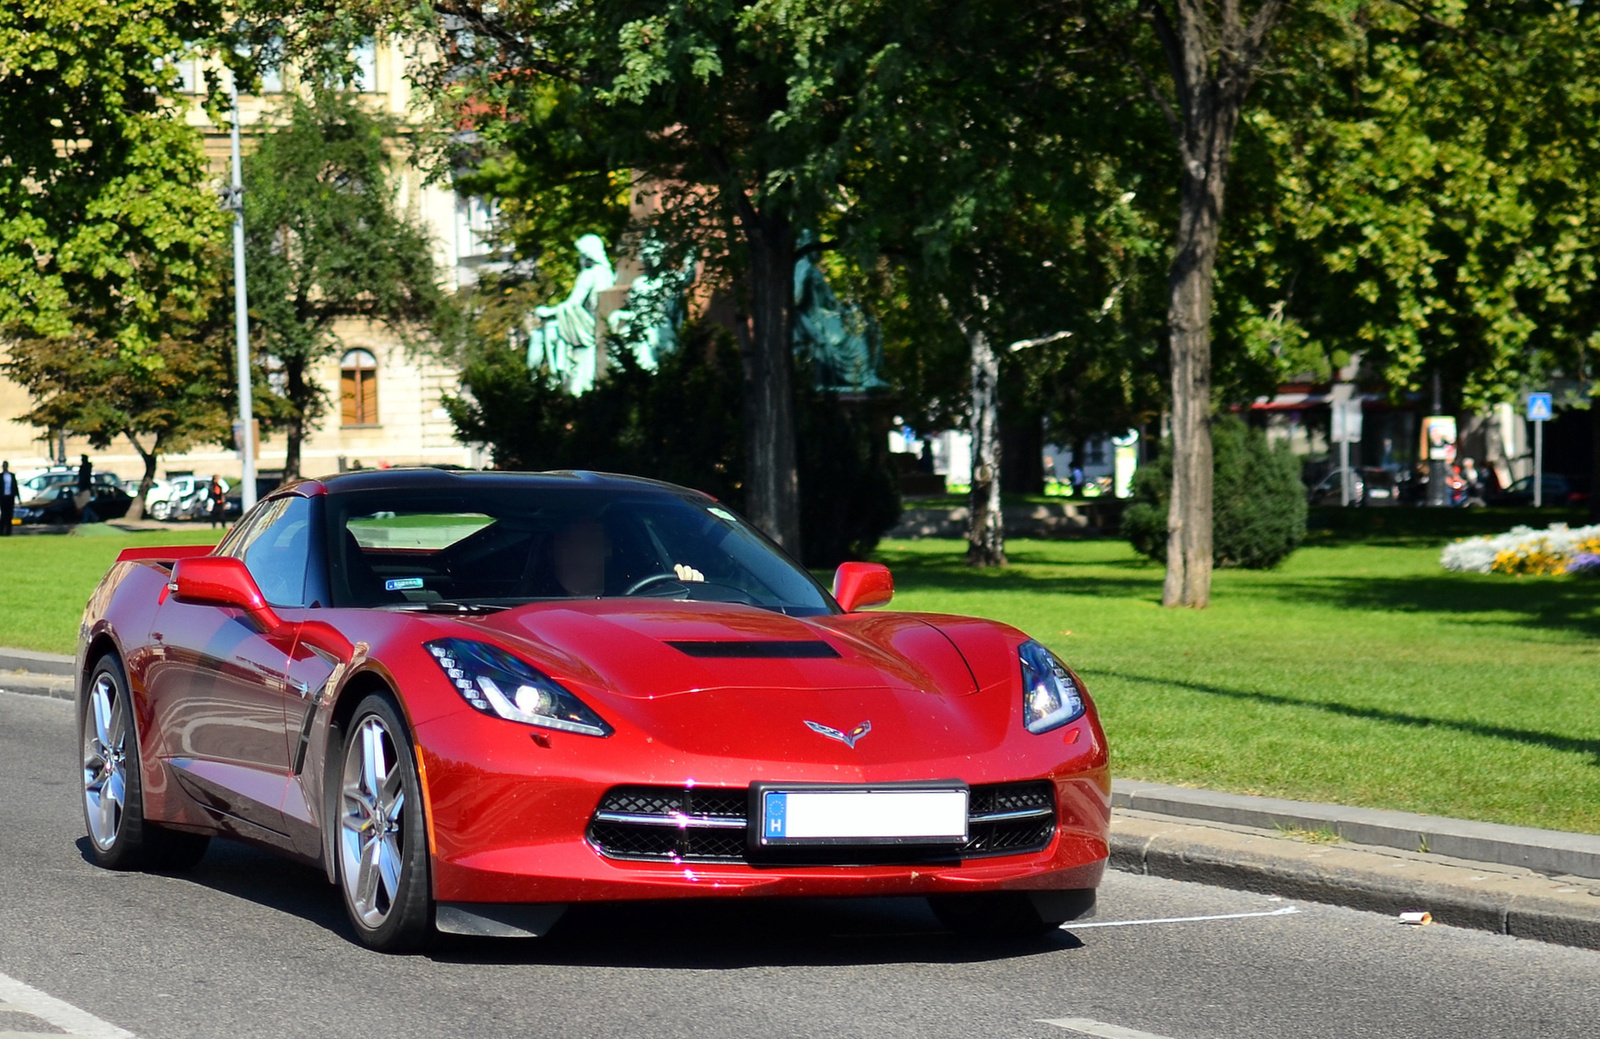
{"points": [[385, 400]]}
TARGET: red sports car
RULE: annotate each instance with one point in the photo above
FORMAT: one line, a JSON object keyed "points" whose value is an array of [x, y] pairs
{"points": [[476, 698]]}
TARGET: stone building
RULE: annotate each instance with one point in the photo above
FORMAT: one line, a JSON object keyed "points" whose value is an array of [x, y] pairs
{"points": [[385, 401]]}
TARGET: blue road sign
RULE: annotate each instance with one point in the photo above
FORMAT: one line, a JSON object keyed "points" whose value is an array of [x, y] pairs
{"points": [[1539, 407]]}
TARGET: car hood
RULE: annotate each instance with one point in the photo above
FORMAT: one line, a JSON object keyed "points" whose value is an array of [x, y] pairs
{"points": [[706, 677], [649, 649]]}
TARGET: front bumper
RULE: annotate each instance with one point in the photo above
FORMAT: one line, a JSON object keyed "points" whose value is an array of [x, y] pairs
{"points": [[510, 813]]}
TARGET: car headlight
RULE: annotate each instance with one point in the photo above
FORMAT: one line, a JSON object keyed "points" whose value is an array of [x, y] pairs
{"points": [[495, 682], [1050, 698]]}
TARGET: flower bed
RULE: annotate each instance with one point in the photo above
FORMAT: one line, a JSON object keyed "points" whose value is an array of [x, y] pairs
{"points": [[1522, 550]]}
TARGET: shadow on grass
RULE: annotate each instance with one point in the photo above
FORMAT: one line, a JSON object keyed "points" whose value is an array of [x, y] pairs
{"points": [[915, 571], [1550, 741], [1553, 603], [1420, 527]]}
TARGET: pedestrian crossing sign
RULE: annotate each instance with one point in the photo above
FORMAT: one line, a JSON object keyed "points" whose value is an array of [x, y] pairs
{"points": [[1539, 407]]}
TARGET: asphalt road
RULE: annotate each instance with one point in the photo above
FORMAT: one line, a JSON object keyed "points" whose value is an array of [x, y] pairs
{"points": [[247, 946]]}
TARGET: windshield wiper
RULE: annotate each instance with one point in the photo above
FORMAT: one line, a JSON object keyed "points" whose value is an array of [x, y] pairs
{"points": [[447, 606]]}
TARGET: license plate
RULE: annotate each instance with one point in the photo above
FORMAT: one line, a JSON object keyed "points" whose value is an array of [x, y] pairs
{"points": [[862, 815]]}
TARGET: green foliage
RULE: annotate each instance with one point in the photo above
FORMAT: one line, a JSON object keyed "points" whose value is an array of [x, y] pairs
{"points": [[99, 174], [681, 424], [326, 242], [1259, 516]]}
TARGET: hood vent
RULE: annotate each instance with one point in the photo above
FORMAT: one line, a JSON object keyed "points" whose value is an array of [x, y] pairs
{"points": [[752, 649]]}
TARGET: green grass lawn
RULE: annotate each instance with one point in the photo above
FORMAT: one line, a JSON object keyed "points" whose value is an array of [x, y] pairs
{"points": [[1360, 674], [48, 578]]}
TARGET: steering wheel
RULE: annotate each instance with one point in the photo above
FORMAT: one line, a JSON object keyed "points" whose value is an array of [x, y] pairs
{"points": [[645, 582]]}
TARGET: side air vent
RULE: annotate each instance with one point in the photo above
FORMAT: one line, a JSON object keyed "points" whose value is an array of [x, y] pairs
{"points": [[752, 649]]}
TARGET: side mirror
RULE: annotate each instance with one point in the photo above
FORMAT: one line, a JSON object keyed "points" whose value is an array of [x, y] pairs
{"points": [[221, 581], [861, 586]]}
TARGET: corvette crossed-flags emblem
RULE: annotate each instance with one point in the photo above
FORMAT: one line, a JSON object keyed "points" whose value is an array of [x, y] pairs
{"points": [[847, 738]]}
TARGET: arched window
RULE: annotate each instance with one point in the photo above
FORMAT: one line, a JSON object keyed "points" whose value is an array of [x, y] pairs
{"points": [[358, 388]]}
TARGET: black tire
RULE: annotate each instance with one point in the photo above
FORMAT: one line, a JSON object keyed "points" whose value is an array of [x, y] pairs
{"points": [[1011, 914], [120, 837], [378, 829]]}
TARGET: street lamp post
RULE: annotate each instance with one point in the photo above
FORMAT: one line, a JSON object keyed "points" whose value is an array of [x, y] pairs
{"points": [[241, 324]]}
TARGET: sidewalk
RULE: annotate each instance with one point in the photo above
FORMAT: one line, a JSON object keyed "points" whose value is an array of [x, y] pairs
{"points": [[1540, 884]]}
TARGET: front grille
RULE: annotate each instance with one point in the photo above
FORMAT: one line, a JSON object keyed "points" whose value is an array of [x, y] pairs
{"points": [[708, 824]]}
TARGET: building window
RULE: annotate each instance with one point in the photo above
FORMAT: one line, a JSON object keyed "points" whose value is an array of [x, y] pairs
{"points": [[365, 57], [358, 385]]}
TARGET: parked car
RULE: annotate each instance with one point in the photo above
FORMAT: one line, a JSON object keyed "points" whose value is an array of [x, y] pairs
{"points": [[1557, 490], [471, 699], [1328, 489], [59, 505], [182, 498], [37, 483]]}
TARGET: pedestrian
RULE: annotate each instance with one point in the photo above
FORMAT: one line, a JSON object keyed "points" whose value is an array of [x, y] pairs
{"points": [[84, 499], [1077, 479], [219, 502], [8, 497]]}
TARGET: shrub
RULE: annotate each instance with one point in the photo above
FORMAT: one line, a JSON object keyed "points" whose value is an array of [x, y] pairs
{"points": [[1258, 501]]}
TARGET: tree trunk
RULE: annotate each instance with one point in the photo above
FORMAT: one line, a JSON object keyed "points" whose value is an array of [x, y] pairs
{"points": [[986, 536], [136, 510], [300, 398], [772, 482], [1022, 442], [1594, 458], [1212, 64], [1188, 581]]}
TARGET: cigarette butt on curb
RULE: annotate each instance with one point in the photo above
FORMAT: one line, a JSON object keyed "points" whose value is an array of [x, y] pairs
{"points": [[1416, 919]]}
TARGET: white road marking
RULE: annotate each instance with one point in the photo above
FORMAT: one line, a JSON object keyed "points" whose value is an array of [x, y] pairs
{"points": [[1099, 1029], [79, 1023], [1070, 926]]}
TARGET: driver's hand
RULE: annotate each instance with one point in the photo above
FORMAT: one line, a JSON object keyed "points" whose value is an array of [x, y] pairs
{"points": [[687, 573]]}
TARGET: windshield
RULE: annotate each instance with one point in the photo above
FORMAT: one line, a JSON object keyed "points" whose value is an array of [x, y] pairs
{"points": [[503, 547]]}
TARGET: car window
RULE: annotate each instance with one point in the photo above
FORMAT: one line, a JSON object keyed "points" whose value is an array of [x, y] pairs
{"points": [[276, 549]]}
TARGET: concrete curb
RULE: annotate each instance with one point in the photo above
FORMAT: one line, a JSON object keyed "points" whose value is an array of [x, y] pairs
{"points": [[1546, 851], [34, 662], [60, 687], [1507, 900]]}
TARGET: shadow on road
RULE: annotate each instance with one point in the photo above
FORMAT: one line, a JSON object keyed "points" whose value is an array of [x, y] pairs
{"points": [[692, 934], [715, 934]]}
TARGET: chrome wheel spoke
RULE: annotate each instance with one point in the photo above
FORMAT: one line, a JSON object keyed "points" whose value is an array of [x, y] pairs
{"points": [[366, 894], [389, 866], [373, 769]]}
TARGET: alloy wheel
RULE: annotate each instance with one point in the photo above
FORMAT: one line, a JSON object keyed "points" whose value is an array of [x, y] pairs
{"points": [[105, 761], [371, 824]]}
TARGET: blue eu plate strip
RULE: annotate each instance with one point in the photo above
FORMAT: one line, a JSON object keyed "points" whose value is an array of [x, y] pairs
{"points": [[776, 805]]}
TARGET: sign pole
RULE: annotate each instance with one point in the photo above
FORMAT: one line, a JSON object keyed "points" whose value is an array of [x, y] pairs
{"points": [[1344, 472], [1538, 464], [241, 325], [1540, 410]]}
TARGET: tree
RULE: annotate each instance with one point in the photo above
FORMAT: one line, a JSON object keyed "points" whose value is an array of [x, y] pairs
{"points": [[163, 399], [978, 201], [326, 243], [98, 172], [730, 118], [1210, 55]]}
